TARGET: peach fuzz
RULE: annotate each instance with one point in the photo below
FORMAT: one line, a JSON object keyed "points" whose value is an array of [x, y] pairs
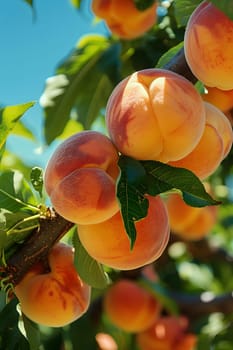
{"points": [[130, 307], [188, 222], [80, 178], [155, 114], [108, 243], [222, 99], [57, 297], [167, 333], [214, 146], [114, 12], [208, 44]]}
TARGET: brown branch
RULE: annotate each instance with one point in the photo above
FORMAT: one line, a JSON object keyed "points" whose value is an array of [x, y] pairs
{"points": [[37, 246], [203, 304]]}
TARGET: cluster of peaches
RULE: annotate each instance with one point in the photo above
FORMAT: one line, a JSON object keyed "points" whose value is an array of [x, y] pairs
{"points": [[153, 114], [134, 309]]}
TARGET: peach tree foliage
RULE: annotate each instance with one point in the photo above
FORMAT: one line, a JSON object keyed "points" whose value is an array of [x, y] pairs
{"points": [[103, 61]]}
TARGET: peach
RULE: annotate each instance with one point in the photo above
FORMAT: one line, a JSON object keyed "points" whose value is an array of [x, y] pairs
{"points": [[114, 12], [208, 43], [108, 243], [167, 333], [155, 114], [80, 178], [57, 297], [214, 146], [222, 99], [188, 222], [130, 307]]}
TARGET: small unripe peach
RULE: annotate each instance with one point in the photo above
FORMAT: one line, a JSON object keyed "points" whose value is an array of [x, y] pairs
{"points": [[57, 297], [208, 43], [80, 178], [108, 243], [130, 307], [115, 12], [213, 147], [155, 114]]}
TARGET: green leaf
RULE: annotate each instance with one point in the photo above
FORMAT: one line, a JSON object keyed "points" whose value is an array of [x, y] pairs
{"points": [[162, 177], [225, 6], [130, 192], [10, 336], [9, 116], [30, 2], [15, 192], [88, 269], [3, 299], [83, 82], [31, 331], [21, 130], [184, 9], [76, 3], [37, 179], [142, 5], [165, 58]]}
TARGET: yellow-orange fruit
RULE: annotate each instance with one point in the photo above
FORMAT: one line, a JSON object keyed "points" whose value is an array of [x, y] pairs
{"points": [[108, 243], [123, 18], [57, 297], [222, 99], [167, 333], [130, 307], [208, 43], [190, 223], [80, 178], [155, 114], [214, 146]]}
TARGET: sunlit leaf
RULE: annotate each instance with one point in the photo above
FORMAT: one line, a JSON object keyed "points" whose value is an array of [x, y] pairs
{"points": [[76, 3], [21, 130], [89, 269], [83, 82], [9, 116]]}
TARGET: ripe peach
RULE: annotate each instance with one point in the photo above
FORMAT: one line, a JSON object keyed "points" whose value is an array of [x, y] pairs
{"points": [[108, 243], [214, 146], [80, 178], [57, 297], [188, 222], [130, 307], [222, 99], [155, 114], [208, 43], [167, 333], [114, 12]]}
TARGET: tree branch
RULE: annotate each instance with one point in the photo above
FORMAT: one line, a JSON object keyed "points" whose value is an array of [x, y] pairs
{"points": [[37, 246]]}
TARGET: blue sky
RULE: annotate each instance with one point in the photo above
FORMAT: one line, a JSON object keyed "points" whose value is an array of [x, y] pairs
{"points": [[32, 44]]}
